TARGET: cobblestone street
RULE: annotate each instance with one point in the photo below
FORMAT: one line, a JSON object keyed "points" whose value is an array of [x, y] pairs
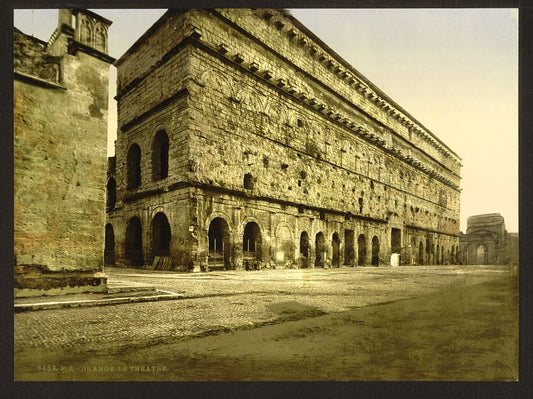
{"points": [[222, 301]]}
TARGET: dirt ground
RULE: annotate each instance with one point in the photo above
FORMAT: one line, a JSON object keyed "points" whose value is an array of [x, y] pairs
{"points": [[467, 333]]}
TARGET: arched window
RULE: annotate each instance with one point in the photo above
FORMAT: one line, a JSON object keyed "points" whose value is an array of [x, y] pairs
{"points": [[134, 166], [111, 194], [160, 235], [160, 156], [134, 243]]}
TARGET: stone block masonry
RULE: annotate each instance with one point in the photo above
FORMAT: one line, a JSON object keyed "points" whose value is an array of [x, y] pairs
{"points": [[276, 152], [60, 141]]}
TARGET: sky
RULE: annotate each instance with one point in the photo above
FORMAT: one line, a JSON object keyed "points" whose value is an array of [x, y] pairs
{"points": [[454, 70]]}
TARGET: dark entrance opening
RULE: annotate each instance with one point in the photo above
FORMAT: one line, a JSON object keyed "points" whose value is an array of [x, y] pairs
{"points": [[219, 243], [251, 243], [375, 251], [361, 250], [421, 253], [442, 261], [109, 247], [335, 250], [437, 253], [304, 249], [160, 235], [134, 243], [320, 245], [349, 253]]}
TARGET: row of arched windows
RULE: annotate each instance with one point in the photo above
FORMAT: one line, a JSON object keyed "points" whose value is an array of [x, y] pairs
{"points": [[160, 147]]}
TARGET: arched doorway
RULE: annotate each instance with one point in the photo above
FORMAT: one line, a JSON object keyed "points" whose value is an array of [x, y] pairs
{"points": [[109, 247], [349, 253], [437, 253], [284, 246], [361, 250], [251, 243], [442, 262], [320, 245], [421, 253], [481, 255], [160, 156], [375, 251], [134, 243], [304, 249], [335, 250], [219, 243], [160, 235]]}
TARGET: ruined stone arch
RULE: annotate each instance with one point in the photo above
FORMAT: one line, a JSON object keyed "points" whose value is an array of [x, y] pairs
{"points": [[134, 243], [251, 99], [212, 79], [161, 235]]}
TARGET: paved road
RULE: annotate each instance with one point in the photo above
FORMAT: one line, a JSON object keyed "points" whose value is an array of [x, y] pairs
{"points": [[230, 300]]}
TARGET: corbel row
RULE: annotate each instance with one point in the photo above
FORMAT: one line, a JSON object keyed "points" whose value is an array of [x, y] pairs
{"points": [[298, 38], [290, 88]]}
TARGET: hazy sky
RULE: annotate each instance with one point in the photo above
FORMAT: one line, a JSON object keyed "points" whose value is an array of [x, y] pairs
{"points": [[454, 70]]}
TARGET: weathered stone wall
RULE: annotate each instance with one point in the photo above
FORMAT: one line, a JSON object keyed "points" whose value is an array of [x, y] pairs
{"points": [[60, 139], [276, 130]]}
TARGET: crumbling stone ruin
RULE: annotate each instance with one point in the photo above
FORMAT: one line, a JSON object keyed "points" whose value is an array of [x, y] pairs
{"points": [[60, 141], [487, 242], [245, 142]]}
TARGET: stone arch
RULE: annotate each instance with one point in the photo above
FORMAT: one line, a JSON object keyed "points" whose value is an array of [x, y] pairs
{"points": [[335, 250], [134, 244], [133, 166], [321, 251], [252, 243], [109, 246], [219, 243], [481, 254], [111, 194], [361, 250], [161, 235], [160, 151], [284, 243], [304, 249], [375, 251], [251, 99]]}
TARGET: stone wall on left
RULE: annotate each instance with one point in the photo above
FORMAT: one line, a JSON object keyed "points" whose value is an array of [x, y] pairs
{"points": [[60, 141]]}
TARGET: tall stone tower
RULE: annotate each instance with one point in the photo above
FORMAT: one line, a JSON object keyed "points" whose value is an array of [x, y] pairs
{"points": [[60, 141]]}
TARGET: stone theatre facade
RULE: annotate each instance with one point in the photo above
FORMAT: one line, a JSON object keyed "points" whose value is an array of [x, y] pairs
{"points": [[244, 141]]}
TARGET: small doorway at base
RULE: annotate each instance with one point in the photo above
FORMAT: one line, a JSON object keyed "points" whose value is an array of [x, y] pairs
{"points": [[320, 245], [304, 249], [219, 244], [335, 248], [361, 250]]}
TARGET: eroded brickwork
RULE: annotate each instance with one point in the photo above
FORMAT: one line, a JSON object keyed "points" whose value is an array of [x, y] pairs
{"points": [[280, 154], [60, 139]]}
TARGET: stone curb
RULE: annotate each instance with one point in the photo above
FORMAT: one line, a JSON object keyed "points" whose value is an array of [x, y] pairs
{"points": [[164, 296]]}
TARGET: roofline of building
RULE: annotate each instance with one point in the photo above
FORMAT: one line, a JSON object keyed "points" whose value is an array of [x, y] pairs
{"points": [[145, 35], [347, 65]]}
